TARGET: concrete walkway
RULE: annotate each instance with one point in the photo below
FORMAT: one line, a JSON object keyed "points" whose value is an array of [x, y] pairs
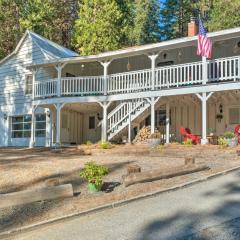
{"points": [[173, 215]]}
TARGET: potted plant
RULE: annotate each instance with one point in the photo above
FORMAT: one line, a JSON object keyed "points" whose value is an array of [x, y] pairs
{"points": [[211, 131], [94, 173], [231, 139]]}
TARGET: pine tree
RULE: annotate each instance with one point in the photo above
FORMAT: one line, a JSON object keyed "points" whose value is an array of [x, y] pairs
{"points": [[10, 32], [175, 15], [146, 27], [224, 14], [51, 18], [98, 27]]}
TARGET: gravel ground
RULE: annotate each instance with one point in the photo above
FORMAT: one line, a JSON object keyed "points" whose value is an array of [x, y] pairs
{"points": [[25, 169]]}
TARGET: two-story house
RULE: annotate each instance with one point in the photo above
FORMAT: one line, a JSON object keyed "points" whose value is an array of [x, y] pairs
{"points": [[71, 99]]}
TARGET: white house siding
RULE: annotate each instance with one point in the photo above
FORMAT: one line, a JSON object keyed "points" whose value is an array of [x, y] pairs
{"points": [[13, 100]]}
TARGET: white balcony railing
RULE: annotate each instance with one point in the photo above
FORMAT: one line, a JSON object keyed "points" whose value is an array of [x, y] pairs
{"points": [[218, 70]]}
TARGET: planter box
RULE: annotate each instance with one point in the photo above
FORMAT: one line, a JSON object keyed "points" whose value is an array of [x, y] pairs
{"points": [[233, 142], [153, 142]]}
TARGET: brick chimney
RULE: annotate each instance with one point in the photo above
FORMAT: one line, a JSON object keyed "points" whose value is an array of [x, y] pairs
{"points": [[192, 27]]}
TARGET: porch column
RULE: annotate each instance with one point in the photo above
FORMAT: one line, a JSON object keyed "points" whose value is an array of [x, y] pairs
{"points": [[32, 139], [105, 106], [167, 123], [153, 65], [204, 97], [152, 101], [34, 73], [105, 75], [58, 107], [204, 73], [129, 125], [59, 68]]}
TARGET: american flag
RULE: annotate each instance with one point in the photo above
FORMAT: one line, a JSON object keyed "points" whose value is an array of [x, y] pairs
{"points": [[204, 48]]}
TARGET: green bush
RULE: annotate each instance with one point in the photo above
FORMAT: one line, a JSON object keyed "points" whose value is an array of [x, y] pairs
{"points": [[105, 145], [222, 142], [94, 173], [88, 142], [229, 135], [188, 142]]}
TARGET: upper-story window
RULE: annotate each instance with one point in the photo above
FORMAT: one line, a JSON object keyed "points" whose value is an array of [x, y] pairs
{"points": [[28, 84]]}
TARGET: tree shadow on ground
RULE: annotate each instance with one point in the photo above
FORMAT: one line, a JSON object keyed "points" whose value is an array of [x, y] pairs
{"points": [[189, 223], [17, 216]]}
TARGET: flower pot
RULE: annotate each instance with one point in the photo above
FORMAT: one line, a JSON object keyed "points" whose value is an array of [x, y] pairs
{"points": [[93, 188], [232, 142], [153, 142]]}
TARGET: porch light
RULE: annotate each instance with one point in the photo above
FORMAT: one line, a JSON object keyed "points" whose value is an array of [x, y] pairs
{"points": [[179, 55], [128, 65], [5, 116], [236, 48], [48, 113], [99, 118], [221, 108], [82, 66]]}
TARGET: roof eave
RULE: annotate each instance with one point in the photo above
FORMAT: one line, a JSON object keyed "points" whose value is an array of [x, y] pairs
{"points": [[144, 49]]}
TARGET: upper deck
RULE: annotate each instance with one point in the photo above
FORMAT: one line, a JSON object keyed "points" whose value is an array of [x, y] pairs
{"points": [[220, 70]]}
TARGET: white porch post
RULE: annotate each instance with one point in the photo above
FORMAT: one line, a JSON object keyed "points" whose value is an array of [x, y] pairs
{"points": [[105, 75], [167, 123], [58, 107], [152, 115], [59, 68], [129, 125], [34, 73], [204, 97], [153, 65], [105, 106], [32, 139], [152, 101], [204, 73]]}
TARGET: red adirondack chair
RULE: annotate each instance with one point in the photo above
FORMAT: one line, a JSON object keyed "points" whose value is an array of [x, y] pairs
{"points": [[186, 133], [237, 132]]}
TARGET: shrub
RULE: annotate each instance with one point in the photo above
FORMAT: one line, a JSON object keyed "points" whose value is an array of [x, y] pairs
{"points": [[229, 135], [105, 145], [188, 142], [222, 142], [88, 143], [94, 173]]}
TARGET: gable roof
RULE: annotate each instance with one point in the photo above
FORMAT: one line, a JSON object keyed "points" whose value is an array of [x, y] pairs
{"points": [[53, 49], [49, 48]]}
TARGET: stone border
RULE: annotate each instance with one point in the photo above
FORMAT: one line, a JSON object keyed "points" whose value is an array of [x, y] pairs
{"points": [[114, 204]]}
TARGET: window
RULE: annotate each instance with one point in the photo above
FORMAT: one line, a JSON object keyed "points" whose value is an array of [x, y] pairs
{"points": [[21, 126], [92, 122], [28, 84], [234, 114], [161, 116], [40, 127]]}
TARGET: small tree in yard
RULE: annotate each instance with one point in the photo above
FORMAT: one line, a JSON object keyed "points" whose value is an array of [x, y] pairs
{"points": [[94, 173]]}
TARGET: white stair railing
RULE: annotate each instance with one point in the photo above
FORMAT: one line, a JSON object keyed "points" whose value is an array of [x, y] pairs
{"points": [[118, 118]]}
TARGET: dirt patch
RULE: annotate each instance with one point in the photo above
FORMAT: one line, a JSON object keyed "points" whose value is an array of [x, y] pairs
{"points": [[25, 169]]}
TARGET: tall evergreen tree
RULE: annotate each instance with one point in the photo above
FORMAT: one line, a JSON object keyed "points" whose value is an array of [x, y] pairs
{"points": [[175, 15], [224, 14], [146, 17], [51, 18], [10, 32], [98, 27]]}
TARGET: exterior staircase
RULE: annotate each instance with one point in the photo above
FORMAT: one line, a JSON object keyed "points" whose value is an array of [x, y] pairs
{"points": [[118, 118]]}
